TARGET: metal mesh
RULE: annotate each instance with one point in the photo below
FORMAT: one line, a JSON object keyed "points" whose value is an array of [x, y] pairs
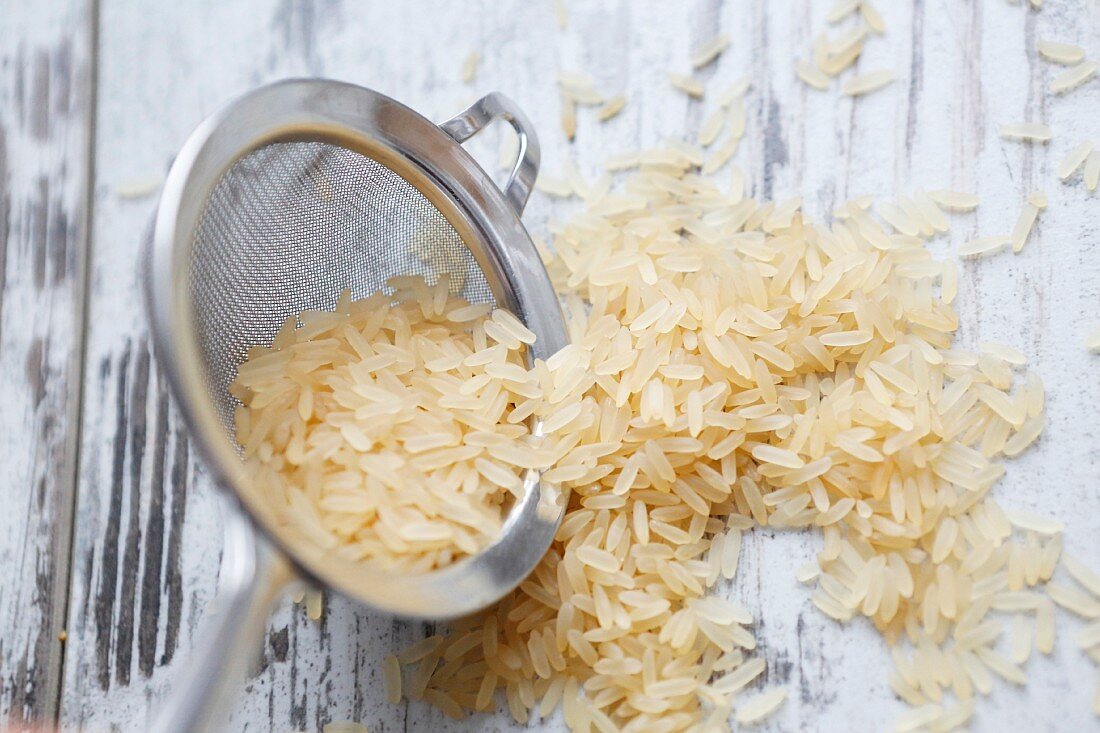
{"points": [[289, 227]]}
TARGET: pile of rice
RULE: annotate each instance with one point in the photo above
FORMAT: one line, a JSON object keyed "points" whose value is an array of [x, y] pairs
{"points": [[734, 364], [388, 428]]}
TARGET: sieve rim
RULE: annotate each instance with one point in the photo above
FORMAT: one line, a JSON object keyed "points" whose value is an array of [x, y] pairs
{"points": [[430, 159]]}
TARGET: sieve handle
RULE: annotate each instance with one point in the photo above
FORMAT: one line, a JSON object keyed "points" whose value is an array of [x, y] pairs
{"points": [[492, 107], [253, 577]]}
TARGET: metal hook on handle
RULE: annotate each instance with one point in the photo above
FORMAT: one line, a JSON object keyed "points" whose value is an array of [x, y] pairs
{"points": [[496, 106]]}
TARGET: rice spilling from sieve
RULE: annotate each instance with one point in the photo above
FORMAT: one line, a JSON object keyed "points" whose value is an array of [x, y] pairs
{"points": [[734, 364]]}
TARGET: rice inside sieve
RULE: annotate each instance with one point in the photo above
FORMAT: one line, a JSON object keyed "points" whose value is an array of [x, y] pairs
{"points": [[275, 205]]}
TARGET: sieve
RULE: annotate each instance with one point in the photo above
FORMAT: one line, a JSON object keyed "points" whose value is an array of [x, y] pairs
{"points": [[273, 206]]}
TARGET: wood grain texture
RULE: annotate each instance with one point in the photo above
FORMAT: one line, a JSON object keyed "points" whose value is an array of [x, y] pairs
{"points": [[45, 113], [147, 543]]}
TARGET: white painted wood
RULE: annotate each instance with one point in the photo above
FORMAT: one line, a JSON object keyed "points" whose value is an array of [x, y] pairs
{"points": [[147, 543], [45, 96]]}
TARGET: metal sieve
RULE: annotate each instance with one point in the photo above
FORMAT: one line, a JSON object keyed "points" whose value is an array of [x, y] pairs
{"points": [[275, 205]]}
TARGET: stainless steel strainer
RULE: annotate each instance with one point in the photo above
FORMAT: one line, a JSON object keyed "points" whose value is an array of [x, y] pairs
{"points": [[273, 206]]}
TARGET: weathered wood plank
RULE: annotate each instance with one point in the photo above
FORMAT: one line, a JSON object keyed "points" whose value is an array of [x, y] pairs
{"points": [[147, 546], [148, 542], [45, 115]]}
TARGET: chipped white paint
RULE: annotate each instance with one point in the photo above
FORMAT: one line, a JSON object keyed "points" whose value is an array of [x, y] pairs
{"points": [[44, 126], [147, 541]]}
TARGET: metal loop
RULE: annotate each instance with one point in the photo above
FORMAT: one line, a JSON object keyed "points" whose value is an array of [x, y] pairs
{"points": [[474, 119]]}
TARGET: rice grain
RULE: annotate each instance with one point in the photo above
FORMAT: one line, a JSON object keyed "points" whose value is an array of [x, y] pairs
{"points": [[391, 676], [983, 246], [710, 50], [866, 83], [1028, 521], [811, 75], [954, 200], [872, 17], [1022, 229], [760, 706], [611, 108], [1075, 160], [1074, 77], [687, 84], [841, 9], [469, 67], [1066, 54], [1092, 170], [1031, 132]]}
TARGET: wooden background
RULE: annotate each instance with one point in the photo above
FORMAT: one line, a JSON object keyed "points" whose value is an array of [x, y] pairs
{"points": [[110, 529]]}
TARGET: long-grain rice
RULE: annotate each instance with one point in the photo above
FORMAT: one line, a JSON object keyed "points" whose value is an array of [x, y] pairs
{"points": [[1032, 132], [1074, 77], [365, 421], [1067, 54], [866, 83]]}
